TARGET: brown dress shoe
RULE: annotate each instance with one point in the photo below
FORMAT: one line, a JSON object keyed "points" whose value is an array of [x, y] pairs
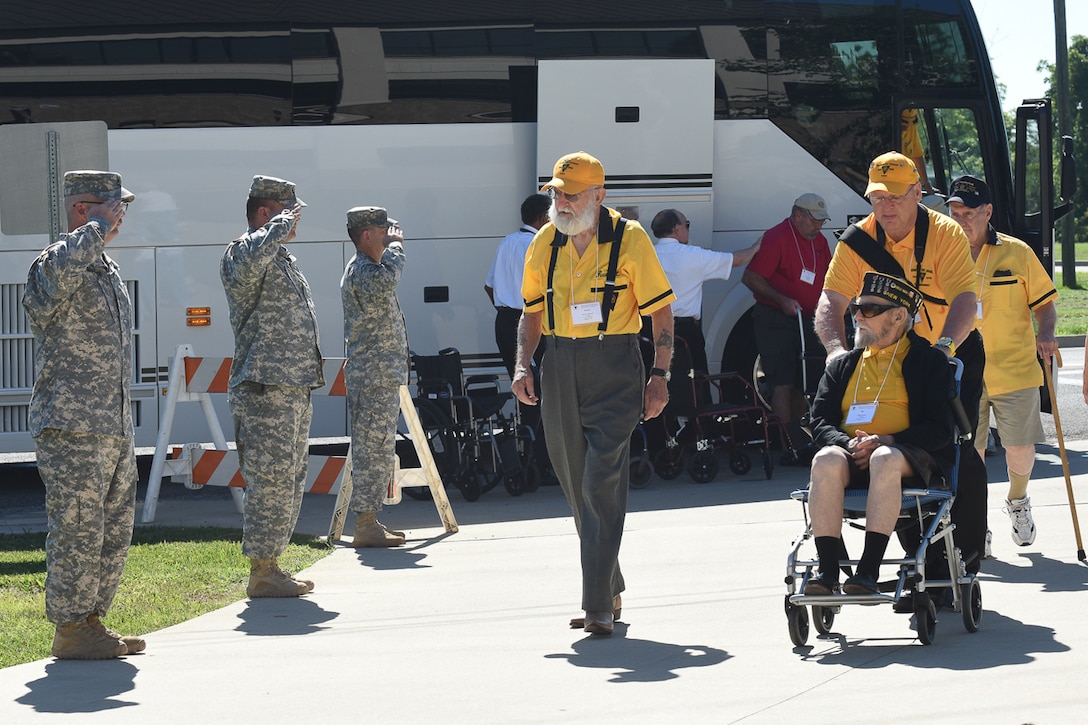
{"points": [[617, 608], [599, 622]]}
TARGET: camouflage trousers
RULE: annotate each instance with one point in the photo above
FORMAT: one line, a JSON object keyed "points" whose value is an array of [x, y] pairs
{"points": [[272, 430], [374, 414], [90, 502]]}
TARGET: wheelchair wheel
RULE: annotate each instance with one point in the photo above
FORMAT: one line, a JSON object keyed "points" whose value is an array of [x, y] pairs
{"points": [[703, 467], [739, 462], [641, 472], [972, 605], [471, 485], [668, 463], [768, 464], [798, 621], [925, 618], [532, 476], [823, 618]]}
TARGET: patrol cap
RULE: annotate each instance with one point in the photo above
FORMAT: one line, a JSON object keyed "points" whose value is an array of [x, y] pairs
{"points": [[891, 172], [106, 185], [814, 204], [369, 216], [574, 173], [970, 191], [896, 290], [269, 187]]}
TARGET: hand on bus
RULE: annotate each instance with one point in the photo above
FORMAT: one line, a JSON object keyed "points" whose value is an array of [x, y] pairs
{"points": [[523, 387]]}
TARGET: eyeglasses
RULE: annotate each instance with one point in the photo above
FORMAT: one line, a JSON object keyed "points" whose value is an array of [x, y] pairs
{"points": [[816, 219], [572, 198], [889, 199], [687, 224], [124, 204], [869, 310]]}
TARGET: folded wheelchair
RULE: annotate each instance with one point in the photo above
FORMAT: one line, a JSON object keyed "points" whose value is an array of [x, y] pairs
{"points": [[475, 444], [917, 583], [711, 413]]}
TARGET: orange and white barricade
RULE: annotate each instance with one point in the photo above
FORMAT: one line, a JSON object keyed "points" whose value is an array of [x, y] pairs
{"points": [[194, 379]]}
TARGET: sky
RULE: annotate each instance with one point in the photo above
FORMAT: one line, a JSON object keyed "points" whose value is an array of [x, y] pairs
{"points": [[1020, 33]]}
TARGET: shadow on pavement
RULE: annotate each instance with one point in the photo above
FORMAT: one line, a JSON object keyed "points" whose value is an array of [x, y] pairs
{"points": [[286, 616], [71, 686]]}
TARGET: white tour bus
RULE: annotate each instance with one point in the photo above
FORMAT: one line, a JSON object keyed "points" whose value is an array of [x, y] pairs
{"points": [[449, 114]]}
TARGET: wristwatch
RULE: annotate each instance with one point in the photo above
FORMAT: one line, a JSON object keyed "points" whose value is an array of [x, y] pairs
{"points": [[667, 374], [947, 342]]}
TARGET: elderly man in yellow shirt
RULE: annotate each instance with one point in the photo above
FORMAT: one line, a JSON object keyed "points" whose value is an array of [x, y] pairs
{"points": [[1012, 286], [589, 276]]}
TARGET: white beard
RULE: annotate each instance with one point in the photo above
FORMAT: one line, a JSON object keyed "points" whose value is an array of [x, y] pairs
{"points": [[572, 224]]}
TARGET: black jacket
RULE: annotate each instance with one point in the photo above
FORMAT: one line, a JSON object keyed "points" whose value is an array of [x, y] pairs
{"points": [[930, 385]]}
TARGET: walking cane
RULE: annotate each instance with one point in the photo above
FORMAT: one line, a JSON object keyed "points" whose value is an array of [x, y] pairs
{"points": [[1061, 448]]}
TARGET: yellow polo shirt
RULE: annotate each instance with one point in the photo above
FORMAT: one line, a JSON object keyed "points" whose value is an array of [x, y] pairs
{"points": [[947, 268], [640, 282], [1011, 283], [878, 378]]}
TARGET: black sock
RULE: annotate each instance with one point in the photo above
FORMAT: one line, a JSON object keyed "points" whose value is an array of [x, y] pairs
{"points": [[875, 546], [827, 551]]}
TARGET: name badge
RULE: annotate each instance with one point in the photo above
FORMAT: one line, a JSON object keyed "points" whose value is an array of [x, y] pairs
{"points": [[808, 276], [586, 313], [861, 413], [979, 306]]}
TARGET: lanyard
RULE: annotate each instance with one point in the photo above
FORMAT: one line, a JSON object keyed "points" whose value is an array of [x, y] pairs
{"points": [[887, 372], [812, 246]]}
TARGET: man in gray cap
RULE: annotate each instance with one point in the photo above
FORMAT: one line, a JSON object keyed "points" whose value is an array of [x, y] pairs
{"points": [[81, 416], [277, 363], [377, 364]]}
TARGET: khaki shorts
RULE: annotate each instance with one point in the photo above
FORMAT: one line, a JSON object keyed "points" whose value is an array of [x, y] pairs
{"points": [[1016, 415]]}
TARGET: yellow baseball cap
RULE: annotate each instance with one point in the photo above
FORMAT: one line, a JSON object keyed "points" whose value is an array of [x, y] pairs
{"points": [[891, 172], [575, 173]]}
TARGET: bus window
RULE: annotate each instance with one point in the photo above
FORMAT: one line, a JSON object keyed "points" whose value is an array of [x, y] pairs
{"points": [[913, 141], [957, 149]]}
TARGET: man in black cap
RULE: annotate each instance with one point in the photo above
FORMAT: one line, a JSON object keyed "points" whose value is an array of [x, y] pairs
{"points": [[881, 414], [1013, 286]]}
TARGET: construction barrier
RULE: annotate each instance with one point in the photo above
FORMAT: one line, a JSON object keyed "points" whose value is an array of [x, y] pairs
{"points": [[194, 379]]}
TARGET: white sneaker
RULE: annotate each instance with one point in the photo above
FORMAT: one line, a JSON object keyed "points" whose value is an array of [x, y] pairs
{"points": [[1023, 527], [988, 552]]}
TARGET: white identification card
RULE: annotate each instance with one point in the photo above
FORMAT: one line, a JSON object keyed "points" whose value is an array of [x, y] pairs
{"points": [[979, 306], [808, 276], [861, 413], [585, 313]]}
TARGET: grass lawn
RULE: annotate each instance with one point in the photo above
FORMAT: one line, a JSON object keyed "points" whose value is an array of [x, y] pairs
{"points": [[173, 575], [1073, 307]]}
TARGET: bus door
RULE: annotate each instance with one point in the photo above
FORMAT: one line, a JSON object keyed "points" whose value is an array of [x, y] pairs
{"points": [[650, 122]]}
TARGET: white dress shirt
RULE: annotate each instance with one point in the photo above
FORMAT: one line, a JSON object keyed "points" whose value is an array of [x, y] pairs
{"points": [[508, 268], [687, 267]]}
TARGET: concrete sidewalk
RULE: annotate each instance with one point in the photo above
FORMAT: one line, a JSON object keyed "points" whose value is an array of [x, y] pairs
{"points": [[472, 627]]}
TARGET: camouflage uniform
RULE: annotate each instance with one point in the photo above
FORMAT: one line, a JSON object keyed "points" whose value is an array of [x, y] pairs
{"points": [[80, 411], [377, 362], [277, 363]]}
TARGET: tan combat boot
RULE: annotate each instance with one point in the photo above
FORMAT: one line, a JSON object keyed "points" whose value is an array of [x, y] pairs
{"points": [[370, 532], [268, 580], [81, 641], [133, 644], [309, 584]]}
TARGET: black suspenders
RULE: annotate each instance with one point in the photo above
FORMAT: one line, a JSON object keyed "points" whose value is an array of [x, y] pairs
{"points": [[605, 234]]}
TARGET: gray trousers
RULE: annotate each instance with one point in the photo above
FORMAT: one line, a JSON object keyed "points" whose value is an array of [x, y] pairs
{"points": [[90, 501], [272, 428], [374, 413], [591, 401]]}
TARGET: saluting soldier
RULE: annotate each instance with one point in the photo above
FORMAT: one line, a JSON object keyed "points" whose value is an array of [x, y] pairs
{"points": [[81, 416], [377, 365], [277, 363]]}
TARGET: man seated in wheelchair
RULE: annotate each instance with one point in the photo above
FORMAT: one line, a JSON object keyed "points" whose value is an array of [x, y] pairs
{"points": [[881, 415]]}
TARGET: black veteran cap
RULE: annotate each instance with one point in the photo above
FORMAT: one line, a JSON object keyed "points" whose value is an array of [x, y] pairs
{"points": [[970, 191], [369, 216], [269, 187], [896, 290], [106, 185]]}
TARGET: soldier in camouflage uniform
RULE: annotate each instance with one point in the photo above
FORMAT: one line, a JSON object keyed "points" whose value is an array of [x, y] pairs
{"points": [[377, 364], [81, 416], [277, 363]]}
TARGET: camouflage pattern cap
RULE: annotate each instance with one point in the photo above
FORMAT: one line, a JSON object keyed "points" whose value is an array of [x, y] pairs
{"points": [[269, 187], [106, 185], [369, 216]]}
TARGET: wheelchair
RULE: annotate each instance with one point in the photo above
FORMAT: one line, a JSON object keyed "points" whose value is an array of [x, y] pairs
{"points": [[708, 413], [931, 510], [475, 444]]}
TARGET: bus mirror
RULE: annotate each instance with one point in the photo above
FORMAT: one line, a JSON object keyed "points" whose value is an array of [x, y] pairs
{"points": [[1068, 169]]}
